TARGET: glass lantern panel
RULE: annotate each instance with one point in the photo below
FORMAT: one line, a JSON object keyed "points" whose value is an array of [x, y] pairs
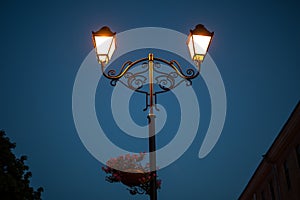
{"points": [[191, 47], [112, 48], [201, 44], [103, 44]]}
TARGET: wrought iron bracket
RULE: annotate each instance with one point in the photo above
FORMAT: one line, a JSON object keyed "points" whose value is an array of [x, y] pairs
{"points": [[136, 80]]}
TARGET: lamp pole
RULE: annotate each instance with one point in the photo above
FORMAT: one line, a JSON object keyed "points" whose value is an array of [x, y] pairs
{"points": [[105, 43], [151, 124]]}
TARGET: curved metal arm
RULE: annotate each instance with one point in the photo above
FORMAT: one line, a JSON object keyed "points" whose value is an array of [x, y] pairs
{"points": [[137, 81], [112, 73], [190, 73]]}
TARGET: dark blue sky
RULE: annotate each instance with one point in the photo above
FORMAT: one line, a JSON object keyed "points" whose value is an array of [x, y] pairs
{"points": [[256, 49]]}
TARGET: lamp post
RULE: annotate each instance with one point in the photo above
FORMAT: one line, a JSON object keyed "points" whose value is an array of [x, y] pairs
{"points": [[198, 42]]}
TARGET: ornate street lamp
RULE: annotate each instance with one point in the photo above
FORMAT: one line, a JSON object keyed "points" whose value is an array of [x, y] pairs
{"points": [[151, 73], [105, 44], [198, 43]]}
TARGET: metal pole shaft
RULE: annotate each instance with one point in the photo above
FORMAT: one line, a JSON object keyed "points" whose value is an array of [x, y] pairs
{"points": [[152, 145]]}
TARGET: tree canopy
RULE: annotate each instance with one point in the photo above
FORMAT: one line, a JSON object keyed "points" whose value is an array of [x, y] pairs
{"points": [[14, 174]]}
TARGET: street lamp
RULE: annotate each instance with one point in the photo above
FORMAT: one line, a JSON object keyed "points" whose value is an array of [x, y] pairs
{"points": [[143, 81], [198, 43], [105, 44]]}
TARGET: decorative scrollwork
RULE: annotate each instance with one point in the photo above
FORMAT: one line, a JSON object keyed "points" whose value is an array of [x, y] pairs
{"points": [[135, 81], [173, 74], [112, 74], [165, 82], [145, 65], [157, 65], [190, 73], [113, 82], [168, 81], [166, 78]]}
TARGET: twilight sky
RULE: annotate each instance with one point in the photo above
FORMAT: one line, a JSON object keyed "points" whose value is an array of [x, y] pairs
{"points": [[43, 44]]}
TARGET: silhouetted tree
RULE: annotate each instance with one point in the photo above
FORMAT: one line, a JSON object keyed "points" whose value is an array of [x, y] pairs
{"points": [[14, 174]]}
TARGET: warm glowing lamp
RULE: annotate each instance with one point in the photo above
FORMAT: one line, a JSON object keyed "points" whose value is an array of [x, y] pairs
{"points": [[104, 44], [198, 42]]}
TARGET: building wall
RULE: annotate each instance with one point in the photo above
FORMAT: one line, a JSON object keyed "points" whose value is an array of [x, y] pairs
{"points": [[278, 175]]}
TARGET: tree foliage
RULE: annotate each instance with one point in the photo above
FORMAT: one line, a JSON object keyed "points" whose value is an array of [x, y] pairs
{"points": [[14, 174]]}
